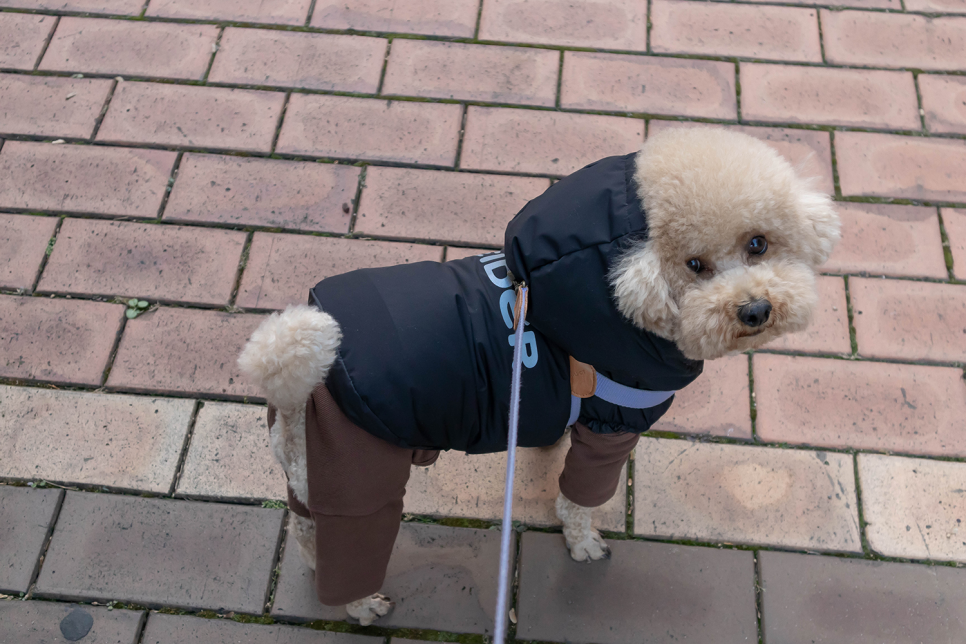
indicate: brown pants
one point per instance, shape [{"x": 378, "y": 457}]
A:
[{"x": 357, "y": 483}]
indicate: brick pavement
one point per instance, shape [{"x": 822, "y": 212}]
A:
[{"x": 213, "y": 158}]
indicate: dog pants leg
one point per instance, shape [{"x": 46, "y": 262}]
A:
[{"x": 592, "y": 469}]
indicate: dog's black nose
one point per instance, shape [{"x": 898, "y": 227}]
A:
[{"x": 754, "y": 313}]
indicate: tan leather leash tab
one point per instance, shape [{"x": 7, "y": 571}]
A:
[{"x": 583, "y": 379}]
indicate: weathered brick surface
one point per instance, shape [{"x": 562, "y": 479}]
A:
[
  {"x": 429, "y": 17},
  {"x": 893, "y": 40},
  {"x": 291, "y": 59},
  {"x": 440, "y": 578},
  {"x": 280, "y": 12},
  {"x": 85, "y": 179},
  {"x": 362, "y": 128},
  {"x": 463, "y": 207},
  {"x": 40, "y": 106},
  {"x": 471, "y": 486},
  {"x": 954, "y": 221},
  {"x": 808, "y": 151},
  {"x": 654, "y": 85},
  {"x": 130, "y": 442},
  {"x": 169, "y": 263},
  {"x": 184, "y": 629},
  {"x": 851, "y": 97},
  {"x": 192, "y": 117},
  {"x": 526, "y": 76},
  {"x": 26, "y": 518},
  {"x": 725, "y": 29},
  {"x": 23, "y": 243},
  {"x": 909, "y": 320},
  {"x": 936, "y": 6},
  {"x": 130, "y": 48},
  {"x": 861, "y": 405},
  {"x": 741, "y": 494},
  {"x": 263, "y": 192},
  {"x": 617, "y": 601},
  {"x": 118, "y": 7},
  {"x": 611, "y": 24},
  {"x": 64, "y": 341},
  {"x": 184, "y": 350},
  {"x": 829, "y": 331},
  {"x": 40, "y": 621},
  {"x": 885, "y": 239},
  {"x": 161, "y": 552},
  {"x": 911, "y": 167},
  {"x": 944, "y": 100},
  {"x": 22, "y": 37},
  {"x": 541, "y": 142},
  {"x": 717, "y": 403},
  {"x": 282, "y": 268},
  {"x": 230, "y": 456},
  {"x": 810, "y": 599},
  {"x": 858, "y": 4},
  {"x": 914, "y": 508}
]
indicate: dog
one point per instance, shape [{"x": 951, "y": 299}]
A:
[{"x": 702, "y": 244}]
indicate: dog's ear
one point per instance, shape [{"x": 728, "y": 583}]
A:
[
  {"x": 822, "y": 224},
  {"x": 643, "y": 294}
]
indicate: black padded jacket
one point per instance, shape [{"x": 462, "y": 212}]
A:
[{"x": 427, "y": 347}]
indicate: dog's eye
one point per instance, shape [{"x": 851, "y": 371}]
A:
[
  {"x": 695, "y": 264},
  {"x": 757, "y": 245}
]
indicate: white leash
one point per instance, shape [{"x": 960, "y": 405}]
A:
[{"x": 502, "y": 595}]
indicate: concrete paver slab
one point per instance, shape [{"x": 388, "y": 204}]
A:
[
  {"x": 184, "y": 351},
  {"x": 427, "y": 17},
  {"x": 472, "y": 72},
  {"x": 610, "y": 24},
  {"x": 126, "y": 182},
  {"x": 279, "y": 12},
  {"x": 56, "y": 107},
  {"x": 184, "y": 629},
  {"x": 22, "y": 38},
  {"x": 26, "y": 519},
  {"x": 169, "y": 263},
  {"x": 809, "y": 599},
  {"x": 230, "y": 457},
  {"x": 23, "y": 243},
  {"x": 944, "y": 100},
  {"x": 440, "y": 578},
  {"x": 57, "y": 340},
  {"x": 190, "y": 116},
  {"x": 143, "y": 49},
  {"x": 263, "y": 192},
  {"x": 282, "y": 268},
  {"x": 646, "y": 592},
  {"x": 914, "y": 508},
  {"x": 291, "y": 59},
  {"x": 909, "y": 320},
  {"x": 160, "y": 552},
  {"x": 886, "y": 239},
  {"x": 864, "y": 405},
  {"x": 42, "y": 622},
  {"x": 954, "y": 221},
  {"x": 128, "y": 442},
  {"x": 717, "y": 403},
  {"x": 744, "y": 494},
  {"x": 470, "y": 208}
]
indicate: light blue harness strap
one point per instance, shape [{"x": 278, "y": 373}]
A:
[{"x": 621, "y": 395}]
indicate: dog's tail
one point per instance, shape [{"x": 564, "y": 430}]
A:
[{"x": 290, "y": 353}]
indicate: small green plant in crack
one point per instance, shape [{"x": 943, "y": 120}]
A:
[
  {"x": 50, "y": 246},
  {"x": 135, "y": 307},
  {"x": 275, "y": 505}
]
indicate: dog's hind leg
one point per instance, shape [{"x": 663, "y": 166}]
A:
[
  {"x": 369, "y": 609},
  {"x": 287, "y": 356}
]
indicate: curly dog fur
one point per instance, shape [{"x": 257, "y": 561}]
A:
[{"x": 707, "y": 193}]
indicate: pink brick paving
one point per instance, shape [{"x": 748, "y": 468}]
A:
[{"x": 213, "y": 158}]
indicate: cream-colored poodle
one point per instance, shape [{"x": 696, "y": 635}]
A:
[{"x": 733, "y": 239}]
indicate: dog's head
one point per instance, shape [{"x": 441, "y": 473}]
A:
[{"x": 734, "y": 239}]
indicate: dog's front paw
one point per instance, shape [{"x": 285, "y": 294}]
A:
[
  {"x": 590, "y": 548},
  {"x": 369, "y": 609}
]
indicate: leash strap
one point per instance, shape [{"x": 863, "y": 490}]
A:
[
  {"x": 502, "y": 595},
  {"x": 621, "y": 395}
]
